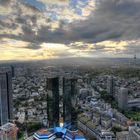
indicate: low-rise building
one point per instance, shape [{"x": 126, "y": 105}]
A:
[{"x": 8, "y": 131}]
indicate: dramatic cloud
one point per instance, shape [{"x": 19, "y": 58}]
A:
[
  {"x": 112, "y": 20},
  {"x": 3, "y": 2},
  {"x": 89, "y": 27},
  {"x": 55, "y": 1}
]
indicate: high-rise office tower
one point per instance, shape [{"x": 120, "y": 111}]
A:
[
  {"x": 6, "y": 104},
  {"x": 110, "y": 86},
  {"x": 123, "y": 99},
  {"x": 69, "y": 101},
  {"x": 53, "y": 101}
]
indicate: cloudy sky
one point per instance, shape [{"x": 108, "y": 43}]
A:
[{"x": 44, "y": 29}]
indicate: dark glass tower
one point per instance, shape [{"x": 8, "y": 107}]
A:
[
  {"x": 53, "y": 101},
  {"x": 69, "y": 101},
  {"x": 110, "y": 86},
  {"x": 6, "y": 104}
]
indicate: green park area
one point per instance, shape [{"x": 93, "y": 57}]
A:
[{"x": 133, "y": 115}]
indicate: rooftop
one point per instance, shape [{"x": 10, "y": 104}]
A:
[
  {"x": 60, "y": 132},
  {"x": 7, "y": 126}
]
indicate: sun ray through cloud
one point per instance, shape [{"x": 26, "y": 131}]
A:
[{"x": 68, "y": 28}]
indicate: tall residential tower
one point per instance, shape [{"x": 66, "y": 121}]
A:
[{"x": 123, "y": 99}]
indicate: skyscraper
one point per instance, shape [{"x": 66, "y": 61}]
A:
[
  {"x": 69, "y": 101},
  {"x": 6, "y": 104},
  {"x": 110, "y": 86},
  {"x": 53, "y": 101},
  {"x": 123, "y": 98}
]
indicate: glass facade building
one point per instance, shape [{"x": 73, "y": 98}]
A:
[
  {"x": 69, "y": 101},
  {"x": 6, "y": 104},
  {"x": 53, "y": 101}
]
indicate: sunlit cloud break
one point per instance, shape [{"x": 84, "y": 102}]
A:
[
  {"x": 55, "y": 1},
  {"x": 43, "y": 29}
]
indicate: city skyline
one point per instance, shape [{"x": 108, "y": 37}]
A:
[
  {"x": 44, "y": 29},
  {"x": 42, "y": 101}
]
